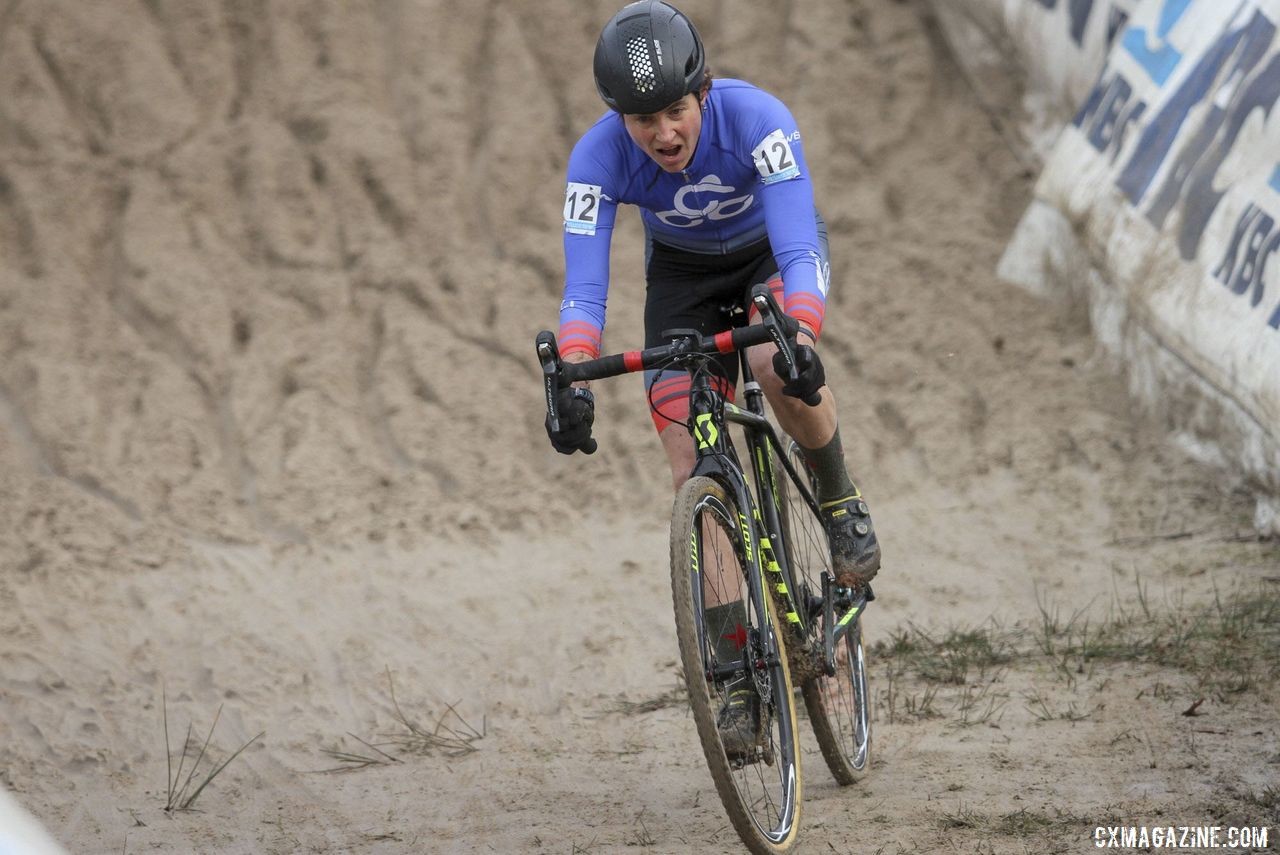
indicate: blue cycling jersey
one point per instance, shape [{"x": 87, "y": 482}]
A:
[{"x": 747, "y": 180}]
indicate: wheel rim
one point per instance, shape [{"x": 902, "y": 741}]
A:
[
  {"x": 844, "y": 698},
  {"x": 768, "y": 792}
]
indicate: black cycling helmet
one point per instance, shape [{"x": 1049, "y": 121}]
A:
[{"x": 648, "y": 57}]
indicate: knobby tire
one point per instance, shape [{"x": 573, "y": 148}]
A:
[{"x": 762, "y": 800}]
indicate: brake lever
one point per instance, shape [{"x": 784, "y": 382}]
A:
[
  {"x": 549, "y": 357},
  {"x": 782, "y": 328}
]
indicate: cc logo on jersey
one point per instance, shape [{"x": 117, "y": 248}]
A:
[{"x": 684, "y": 216}]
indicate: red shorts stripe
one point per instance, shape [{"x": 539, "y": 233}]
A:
[
  {"x": 663, "y": 386},
  {"x": 669, "y": 400}
]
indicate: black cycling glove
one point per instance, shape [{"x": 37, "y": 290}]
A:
[
  {"x": 577, "y": 411},
  {"x": 810, "y": 376}
]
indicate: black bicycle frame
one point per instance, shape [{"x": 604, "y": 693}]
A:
[
  {"x": 712, "y": 447},
  {"x": 709, "y": 413}
]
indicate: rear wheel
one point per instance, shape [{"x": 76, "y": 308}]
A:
[
  {"x": 839, "y": 706},
  {"x": 840, "y": 711},
  {"x": 760, "y": 787}
]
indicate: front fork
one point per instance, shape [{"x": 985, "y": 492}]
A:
[{"x": 712, "y": 448}]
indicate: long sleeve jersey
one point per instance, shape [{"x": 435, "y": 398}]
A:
[{"x": 747, "y": 180}]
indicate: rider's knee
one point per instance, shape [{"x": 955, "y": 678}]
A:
[
  {"x": 681, "y": 469},
  {"x": 761, "y": 361},
  {"x": 680, "y": 456}
]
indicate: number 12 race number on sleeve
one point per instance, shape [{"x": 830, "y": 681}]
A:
[{"x": 581, "y": 208}]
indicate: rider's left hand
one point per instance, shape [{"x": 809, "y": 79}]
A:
[{"x": 810, "y": 376}]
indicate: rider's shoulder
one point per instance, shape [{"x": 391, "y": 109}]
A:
[
  {"x": 737, "y": 94},
  {"x": 605, "y": 142}
]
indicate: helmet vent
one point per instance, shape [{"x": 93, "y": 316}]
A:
[{"x": 641, "y": 64}]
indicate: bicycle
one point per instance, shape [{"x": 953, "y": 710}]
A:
[{"x": 769, "y": 550}]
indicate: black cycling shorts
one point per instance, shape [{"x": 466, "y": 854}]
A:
[{"x": 691, "y": 290}]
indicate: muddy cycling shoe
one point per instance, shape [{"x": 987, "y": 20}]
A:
[
  {"x": 739, "y": 725},
  {"x": 855, "y": 552}
]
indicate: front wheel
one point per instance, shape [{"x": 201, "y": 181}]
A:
[{"x": 734, "y": 656}]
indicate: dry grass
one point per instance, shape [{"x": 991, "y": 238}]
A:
[
  {"x": 451, "y": 736},
  {"x": 179, "y": 793},
  {"x": 677, "y": 695}
]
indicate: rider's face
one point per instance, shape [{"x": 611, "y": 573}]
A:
[{"x": 668, "y": 136}]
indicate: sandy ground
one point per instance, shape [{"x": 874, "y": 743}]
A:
[{"x": 271, "y": 433}]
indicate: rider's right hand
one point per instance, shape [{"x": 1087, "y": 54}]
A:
[{"x": 577, "y": 411}]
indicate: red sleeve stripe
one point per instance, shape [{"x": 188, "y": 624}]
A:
[
  {"x": 579, "y": 329},
  {"x": 573, "y": 339},
  {"x": 810, "y": 301},
  {"x": 589, "y": 352},
  {"x": 631, "y": 360},
  {"x": 808, "y": 310}
]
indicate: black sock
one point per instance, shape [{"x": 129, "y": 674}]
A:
[
  {"x": 726, "y": 627},
  {"x": 827, "y": 464}
]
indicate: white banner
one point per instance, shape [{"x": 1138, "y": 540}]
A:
[
  {"x": 1159, "y": 201},
  {"x": 1049, "y": 49},
  {"x": 20, "y": 834}
]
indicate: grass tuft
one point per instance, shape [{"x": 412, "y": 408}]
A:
[
  {"x": 676, "y": 696},
  {"x": 1228, "y": 644},
  {"x": 451, "y": 735},
  {"x": 179, "y": 793}
]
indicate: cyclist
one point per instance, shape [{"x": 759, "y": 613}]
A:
[{"x": 719, "y": 174}]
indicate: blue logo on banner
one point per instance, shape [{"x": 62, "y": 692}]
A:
[
  {"x": 1235, "y": 57},
  {"x": 1172, "y": 173},
  {"x": 1162, "y": 60}
]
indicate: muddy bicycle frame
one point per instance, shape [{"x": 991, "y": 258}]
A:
[{"x": 709, "y": 414}]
